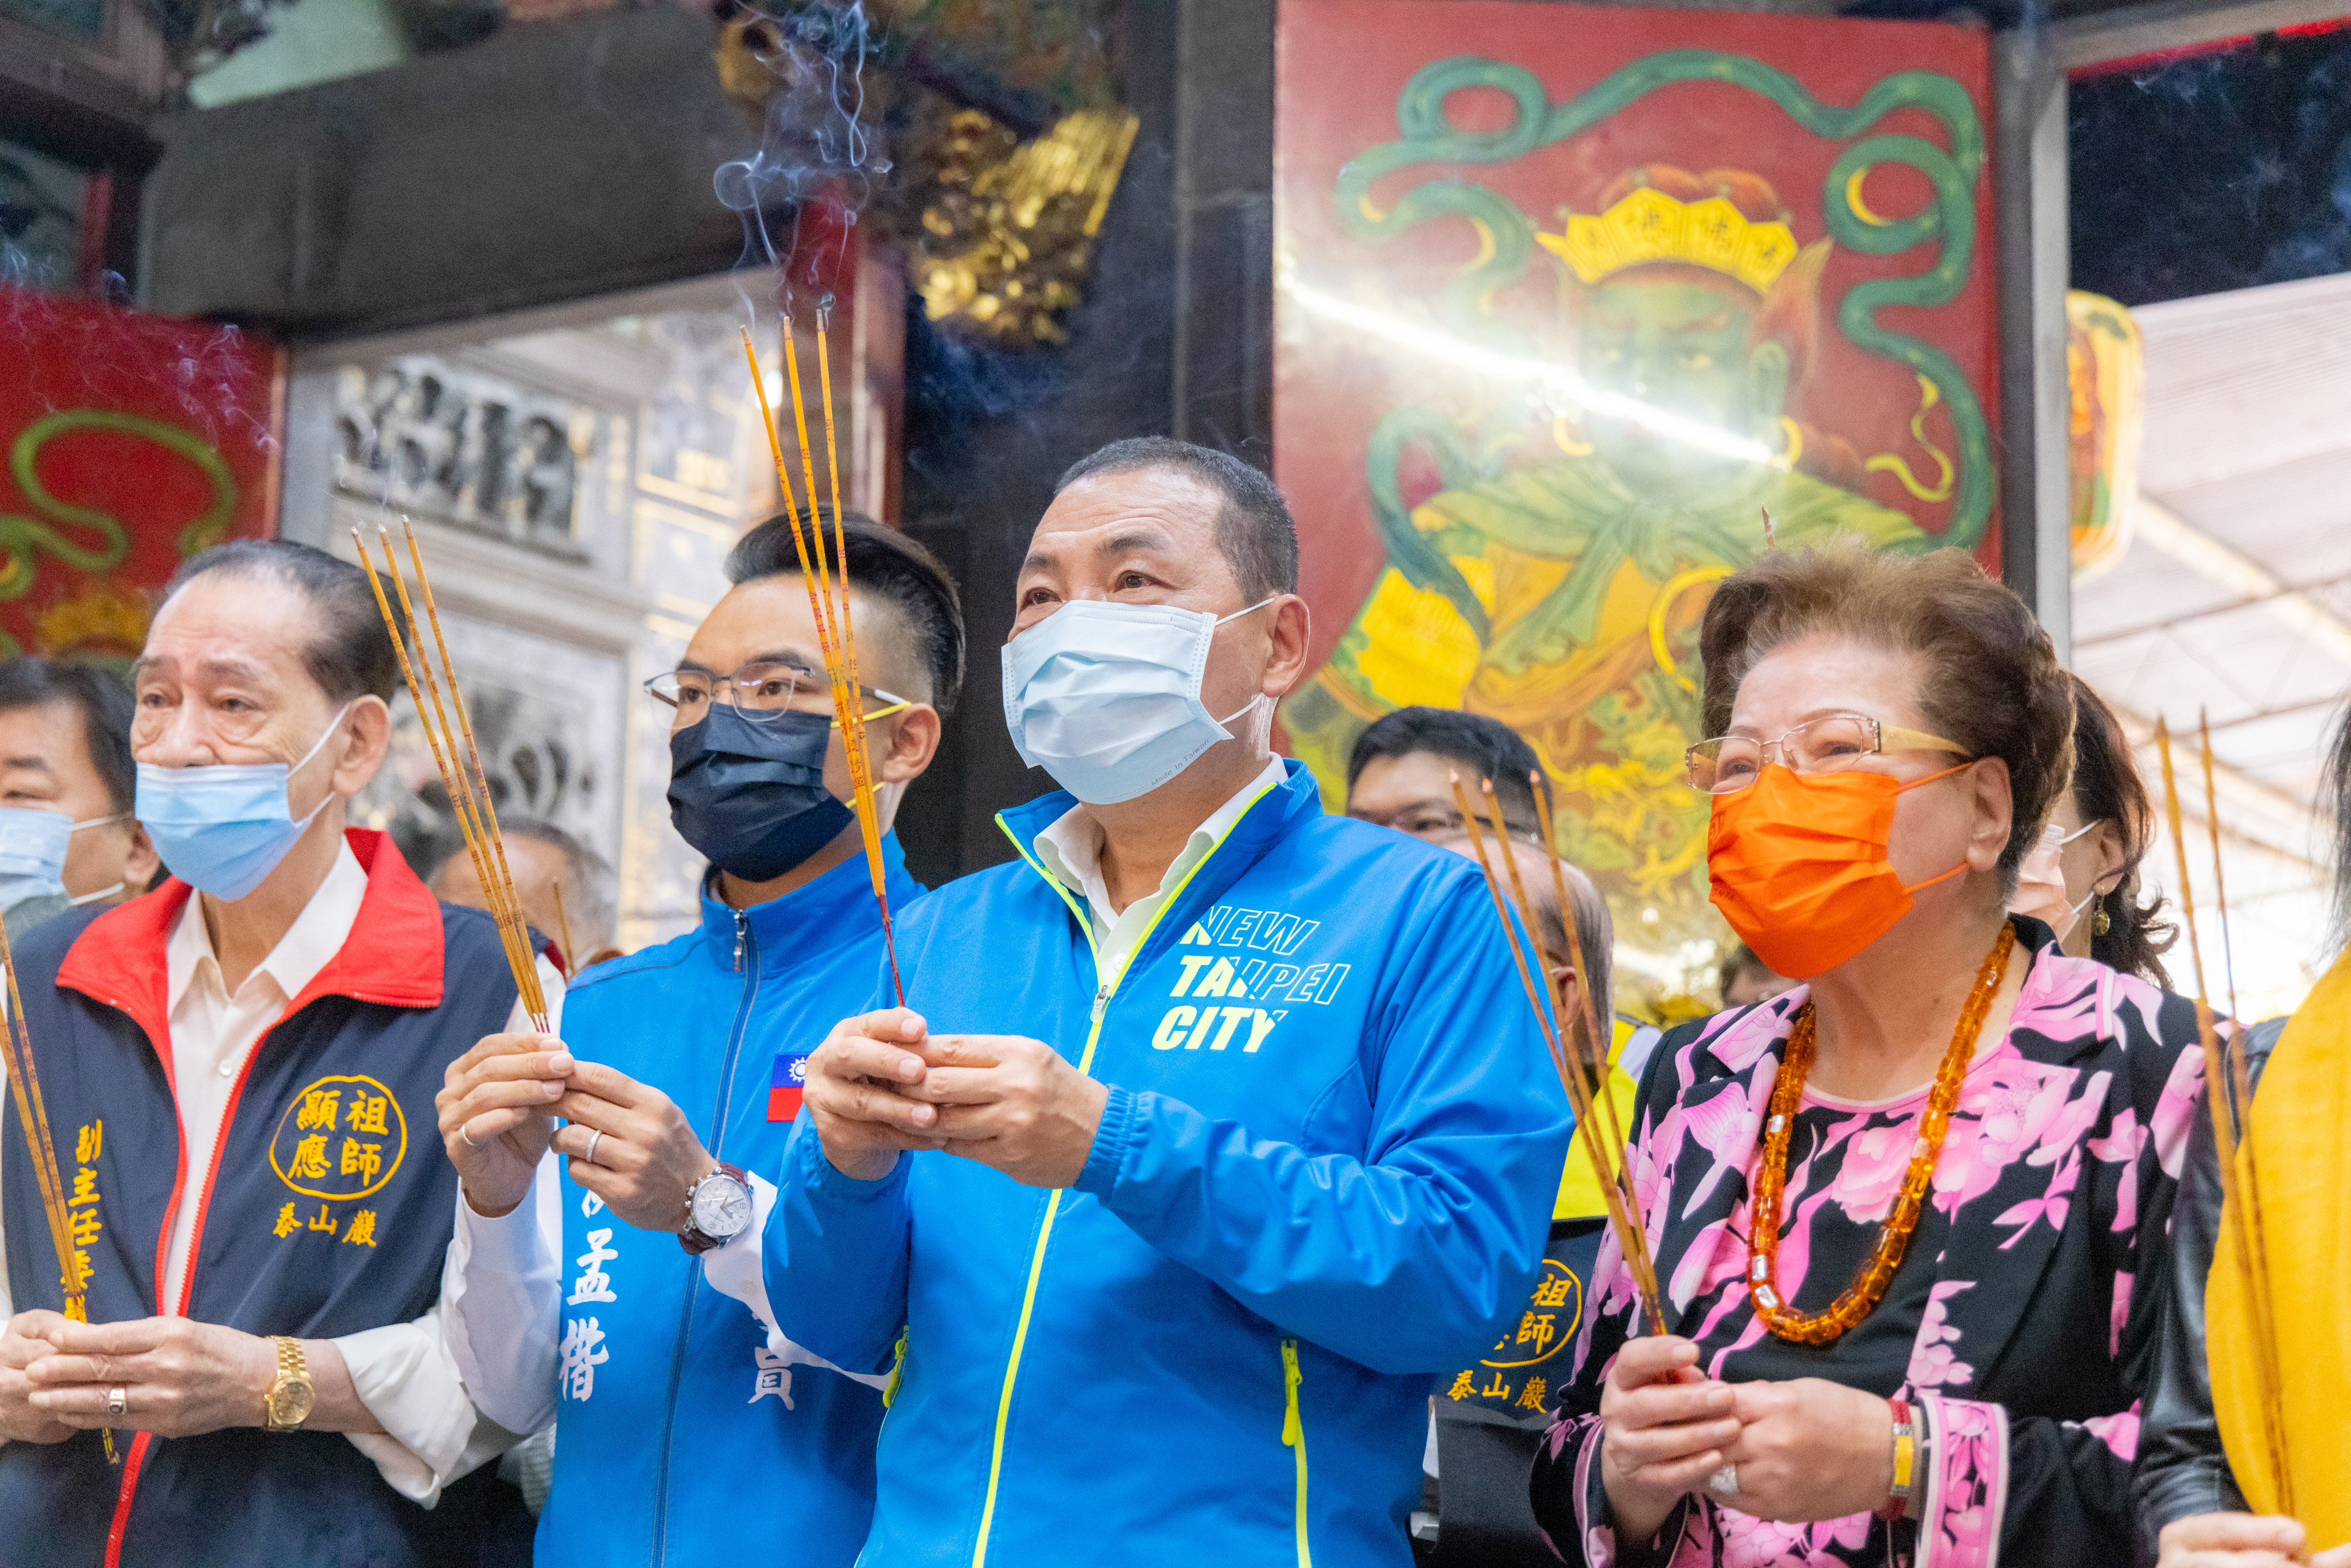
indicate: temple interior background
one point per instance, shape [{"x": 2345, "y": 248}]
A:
[{"x": 492, "y": 256}]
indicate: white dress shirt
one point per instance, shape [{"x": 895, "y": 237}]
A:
[
  {"x": 502, "y": 1299},
  {"x": 1071, "y": 850},
  {"x": 402, "y": 1372}
]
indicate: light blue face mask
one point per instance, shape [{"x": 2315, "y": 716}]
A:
[
  {"x": 1106, "y": 697},
  {"x": 222, "y": 829},
  {"x": 33, "y": 845}
]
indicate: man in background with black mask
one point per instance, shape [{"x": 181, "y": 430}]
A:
[{"x": 688, "y": 1429}]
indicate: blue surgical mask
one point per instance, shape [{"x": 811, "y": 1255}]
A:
[
  {"x": 222, "y": 829},
  {"x": 1106, "y": 697},
  {"x": 33, "y": 844}
]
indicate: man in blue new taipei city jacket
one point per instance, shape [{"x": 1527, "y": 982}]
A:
[
  {"x": 1327, "y": 1140},
  {"x": 688, "y": 1430}
]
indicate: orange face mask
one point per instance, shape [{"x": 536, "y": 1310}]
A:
[{"x": 1798, "y": 863}]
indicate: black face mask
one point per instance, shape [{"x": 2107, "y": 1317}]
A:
[{"x": 749, "y": 792}]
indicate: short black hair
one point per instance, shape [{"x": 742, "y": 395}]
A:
[
  {"x": 352, "y": 656},
  {"x": 107, "y": 710},
  {"x": 1254, "y": 531},
  {"x": 1485, "y": 748},
  {"x": 886, "y": 564}
]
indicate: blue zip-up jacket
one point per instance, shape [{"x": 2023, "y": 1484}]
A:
[
  {"x": 695, "y": 1442},
  {"x": 1326, "y": 1167}
]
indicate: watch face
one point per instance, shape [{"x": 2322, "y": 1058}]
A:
[
  {"x": 722, "y": 1206},
  {"x": 290, "y": 1404}
]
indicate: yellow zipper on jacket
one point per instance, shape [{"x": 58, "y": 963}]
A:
[
  {"x": 1293, "y": 1435},
  {"x": 1107, "y": 988}
]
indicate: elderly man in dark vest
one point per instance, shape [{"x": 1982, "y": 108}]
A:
[{"x": 239, "y": 1070}]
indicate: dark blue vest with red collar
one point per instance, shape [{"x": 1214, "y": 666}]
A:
[{"x": 328, "y": 1210}]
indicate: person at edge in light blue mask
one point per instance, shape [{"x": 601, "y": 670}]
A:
[
  {"x": 236, "y": 1067},
  {"x": 67, "y": 833},
  {"x": 615, "y": 1285},
  {"x": 1214, "y": 1128}
]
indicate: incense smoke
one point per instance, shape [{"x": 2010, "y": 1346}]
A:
[{"x": 815, "y": 143}]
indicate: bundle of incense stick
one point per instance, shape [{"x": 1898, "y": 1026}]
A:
[
  {"x": 469, "y": 791},
  {"x": 2228, "y": 1095},
  {"x": 32, "y": 1116},
  {"x": 827, "y": 576},
  {"x": 1603, "y": 1145}
]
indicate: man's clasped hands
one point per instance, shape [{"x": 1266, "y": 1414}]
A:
[{"x": 879, "y": 1085}]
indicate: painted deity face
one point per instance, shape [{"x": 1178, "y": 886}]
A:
[{"x": 1679, "y": 347}]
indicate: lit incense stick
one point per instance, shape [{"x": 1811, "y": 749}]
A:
[
  {"x": 32, "y": 1116},
  {"x": 860, "y": 766},
  {"x": 832, "y": 617},
  {"x": 504, "y": 909},
  {"x": 469, "y": 799},
  {"x": 1631, "y": 1240},
  {"x": 2238, "y": 1194},
  {"x": 1592, "y": 1023},
  {"x": 570, "y": 953}
]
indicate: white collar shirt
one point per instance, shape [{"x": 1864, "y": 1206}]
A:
[
  {"x": 1071, "y": 852},
  {"x": 214, "y": 1033}
]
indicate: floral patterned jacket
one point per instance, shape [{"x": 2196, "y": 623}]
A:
[{"x": 2025, "y": 1344}]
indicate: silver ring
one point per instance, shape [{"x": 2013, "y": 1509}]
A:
[
  {"x": 1724, "y": 1482},
  {"x": 589, "y": 1155},
  {"x": 468, "y": 1136},
  {"x": 118, "y": 1403}
]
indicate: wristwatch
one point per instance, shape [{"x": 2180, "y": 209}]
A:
[
  {"x": 717, "y": 1209},
  {"x": 287, "y": 1404}
]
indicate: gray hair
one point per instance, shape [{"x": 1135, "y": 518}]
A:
[{"x": 1596, "y": 930}]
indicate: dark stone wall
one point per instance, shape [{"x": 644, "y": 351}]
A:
[{"x": 552, "y": 162}]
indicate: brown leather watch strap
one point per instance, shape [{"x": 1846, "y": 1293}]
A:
[{"x": 692, "y": 1238}]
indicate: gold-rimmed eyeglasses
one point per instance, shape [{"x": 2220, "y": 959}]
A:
[
  {"x": 1730, "y": 763},
  {"x": 761, "y": 686}
]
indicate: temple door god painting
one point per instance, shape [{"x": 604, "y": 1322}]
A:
[{"x": 1565, "y": 314}]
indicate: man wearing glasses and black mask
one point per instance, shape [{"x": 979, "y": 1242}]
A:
[{"x": 617, "y": 1290}]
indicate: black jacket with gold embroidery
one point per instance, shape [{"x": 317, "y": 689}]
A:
[{"x": 328, "y": 1210}]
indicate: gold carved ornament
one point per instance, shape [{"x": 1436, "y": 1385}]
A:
[{"x": 1008, "y": 228}]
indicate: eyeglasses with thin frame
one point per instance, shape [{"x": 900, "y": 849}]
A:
[
  {"x": 1730, "y": 763},
  {"x": 761, "y": 686}
]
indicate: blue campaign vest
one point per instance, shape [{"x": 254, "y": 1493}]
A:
[
  {"x": 328, "y": 1210},
  {"x": 693, "y": 1443}
]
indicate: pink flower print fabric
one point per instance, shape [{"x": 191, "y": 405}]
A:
[{"x": 2012, "y": 1324}]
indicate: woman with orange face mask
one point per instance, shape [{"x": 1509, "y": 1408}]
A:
[{"x": 1898, "y": 1211}]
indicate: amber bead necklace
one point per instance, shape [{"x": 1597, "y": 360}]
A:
[{"x": 1869, "y": 1283}]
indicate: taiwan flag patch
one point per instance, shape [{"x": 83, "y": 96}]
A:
[{"x": 785, "y": 1081}]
